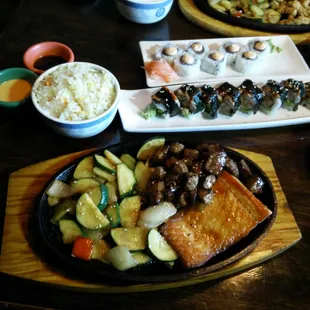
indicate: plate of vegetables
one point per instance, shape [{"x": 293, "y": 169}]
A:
[
  {"x": 102, "y": 216},
  {"x": 274, "y": 16}
]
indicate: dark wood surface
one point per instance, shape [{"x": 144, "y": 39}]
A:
[{"x": 98, "y": 34}]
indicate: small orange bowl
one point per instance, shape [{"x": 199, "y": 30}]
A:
[{"x": 46, "y": 49}]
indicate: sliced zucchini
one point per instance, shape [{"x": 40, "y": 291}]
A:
[
  {"x": 159, "y": 247},
  {"x": 142, "y": 258},
  {"x": 88, "y": 215},
  {"x": 113, "y": 214},
  {"x": 104, "y": 164},
  {"x": 68, "y": 205},
  {"x": 129, "y": 211},
  {"x": 129, "y": 161},
  {"x": 121, "y": 258},
  {"x": 256, "y": 11},
  {"x": 100, "y": 249},
  {"x": 112, "y": 189},
  {"x": 99, "y": 179},
  {"x": 150, "y": 147},
  {"x": 69, "y": 230},
  {"x": 85, "y": 168},
  {"x": 53, "y": 201},
  {"x": 99, "y": 196},
  {"x": 134, "y": 238},
  {"x": 96, "y": 234},
  {"x": 59, "y": 189},
  {"x": 103, "y": 174},
  {"x": 112, "y": 158},
  {"x": 142, "y": 173},
  {"x": 125, "y": 180},
  {"x": 82, "y": 186}
]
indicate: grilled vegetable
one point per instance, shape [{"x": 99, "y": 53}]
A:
[
  {"x": 129, "y": 161},
  {"x": 125, "y": 180},
  {"x": 113, "y": 214},
  {"x": 121, "y": 258},
  {"x": 59, "y": 189},
  {"x": 104, "y": 164},
  {"x": 83, "y": 185},
  {"x": 129, "y": 211},
  {"x": 150, "y": 147},
  {"x": 69, "y": 230},
  {"x": 99, "y": 196},
  {"x": 85, "y": 168},
  {"x": 82, "y": 248}
]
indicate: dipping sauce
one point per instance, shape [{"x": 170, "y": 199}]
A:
[
  {"x": 46, "y": 62},
  {"x": 15, "y": 90}
]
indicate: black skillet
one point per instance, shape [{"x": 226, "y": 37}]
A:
[
  {"x": 49, "y": 244},
  {"x": 204, "y": 6}
]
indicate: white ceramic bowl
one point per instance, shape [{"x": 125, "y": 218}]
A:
[
  {"x": 79, "y": 129},
  {"x": 144, "y": 11}
]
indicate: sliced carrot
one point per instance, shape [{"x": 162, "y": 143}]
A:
[{"x": 82, "y": 248}]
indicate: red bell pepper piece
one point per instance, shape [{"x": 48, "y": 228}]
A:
[{"x": 82, "y": 248}]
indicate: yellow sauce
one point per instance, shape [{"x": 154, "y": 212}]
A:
[{"x": 14, "y": 90}]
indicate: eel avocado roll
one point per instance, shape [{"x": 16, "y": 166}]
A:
[
  {"x": 166, "y": 102},
  {"x": 261, "y": 47},
  {"x": 295, "y": 93},
  {"x": 251, "y": 97},
  {"x": 229, "y": 97},
  {"x": 246, "y": 61},
  {"x": 187, "y": 65},
  {"x": 214, "y": 62},
  {"x": 274, "y": 96},
  {"x": 189, "y": 98},
  {"x": 197, "y": 49},
  {"x": 169, "y": 52},
  {"x": 231, "y": 49},
  {"x": 306, "y": 99},
  {"x": 209, "y": 97}
]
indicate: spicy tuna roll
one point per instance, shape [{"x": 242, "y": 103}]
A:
[
  {"x": 274, "y": 96},
  {"x": 261, "y": 47},
  {"x": 295, "y": 93},
  {"x": 246, "y": 61},
  {"x": 187, "y": 65},
  {"x": 251, "y": 97},
  {"x": 169, "y": 52},
  {"x": 197, "y": 49},
  {"x": 231, "y": 49},
  {"x": 214, "y": 62}
]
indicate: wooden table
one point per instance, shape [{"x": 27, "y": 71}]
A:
[{"x": 100, "y": 35}]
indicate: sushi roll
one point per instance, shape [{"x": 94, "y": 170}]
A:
[
  {"x": 251, "y": 97},
  {"x": 274, "y": 96},
  {"x": 261, "y": 47},
  {"x": 214, "y": 62},
  {"x": 166, "y": 102},
  {"x": 295, "y": 93},
  {"x": 230, "y": 99},
  {"x": 306, "y": 99},
  {"x": 209, "y": 97},
  {"x": 231, "y": 49},
  {"x": 169, "y": 52},
  {"x": 187, "y": 65},
  {"x": 189, "y": 98},
  {"x": 246, "y": 61},
  {"x": 197, "y": 49}
]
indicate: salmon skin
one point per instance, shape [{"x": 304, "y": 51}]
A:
[{"x": 200, "y": 232}]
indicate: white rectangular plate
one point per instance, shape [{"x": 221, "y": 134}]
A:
[
  {"x": 287, "y": 62},
  {"x": 133, "y": 102}
]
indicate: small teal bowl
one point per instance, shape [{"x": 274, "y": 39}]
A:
[
  {"x": 144, "y": 12},
  {"x": 78, "y": 129},
  {"x": 12, "y": 74}
]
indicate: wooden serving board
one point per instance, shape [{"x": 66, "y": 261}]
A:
[
  {"x": 18, "y": 259},
  {"x": 192, "y": 13}
]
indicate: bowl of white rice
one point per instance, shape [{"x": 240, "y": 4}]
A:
[{"x": 77, "y": 99}]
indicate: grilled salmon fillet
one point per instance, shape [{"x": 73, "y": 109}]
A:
[{"x": 200, "y": 232}]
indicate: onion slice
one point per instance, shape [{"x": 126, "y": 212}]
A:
[
  {"x": 59, "y": 189},
  {"x": 156, "y": 215}
]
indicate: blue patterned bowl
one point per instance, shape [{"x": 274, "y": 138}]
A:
[
  {"x": 78, "y": 129},
  {"x": 144, "y": 11}
]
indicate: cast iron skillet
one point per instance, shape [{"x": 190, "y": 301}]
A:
[
  {"x": 204, "y": 6},
  {"x": 58, "y": 255}
]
